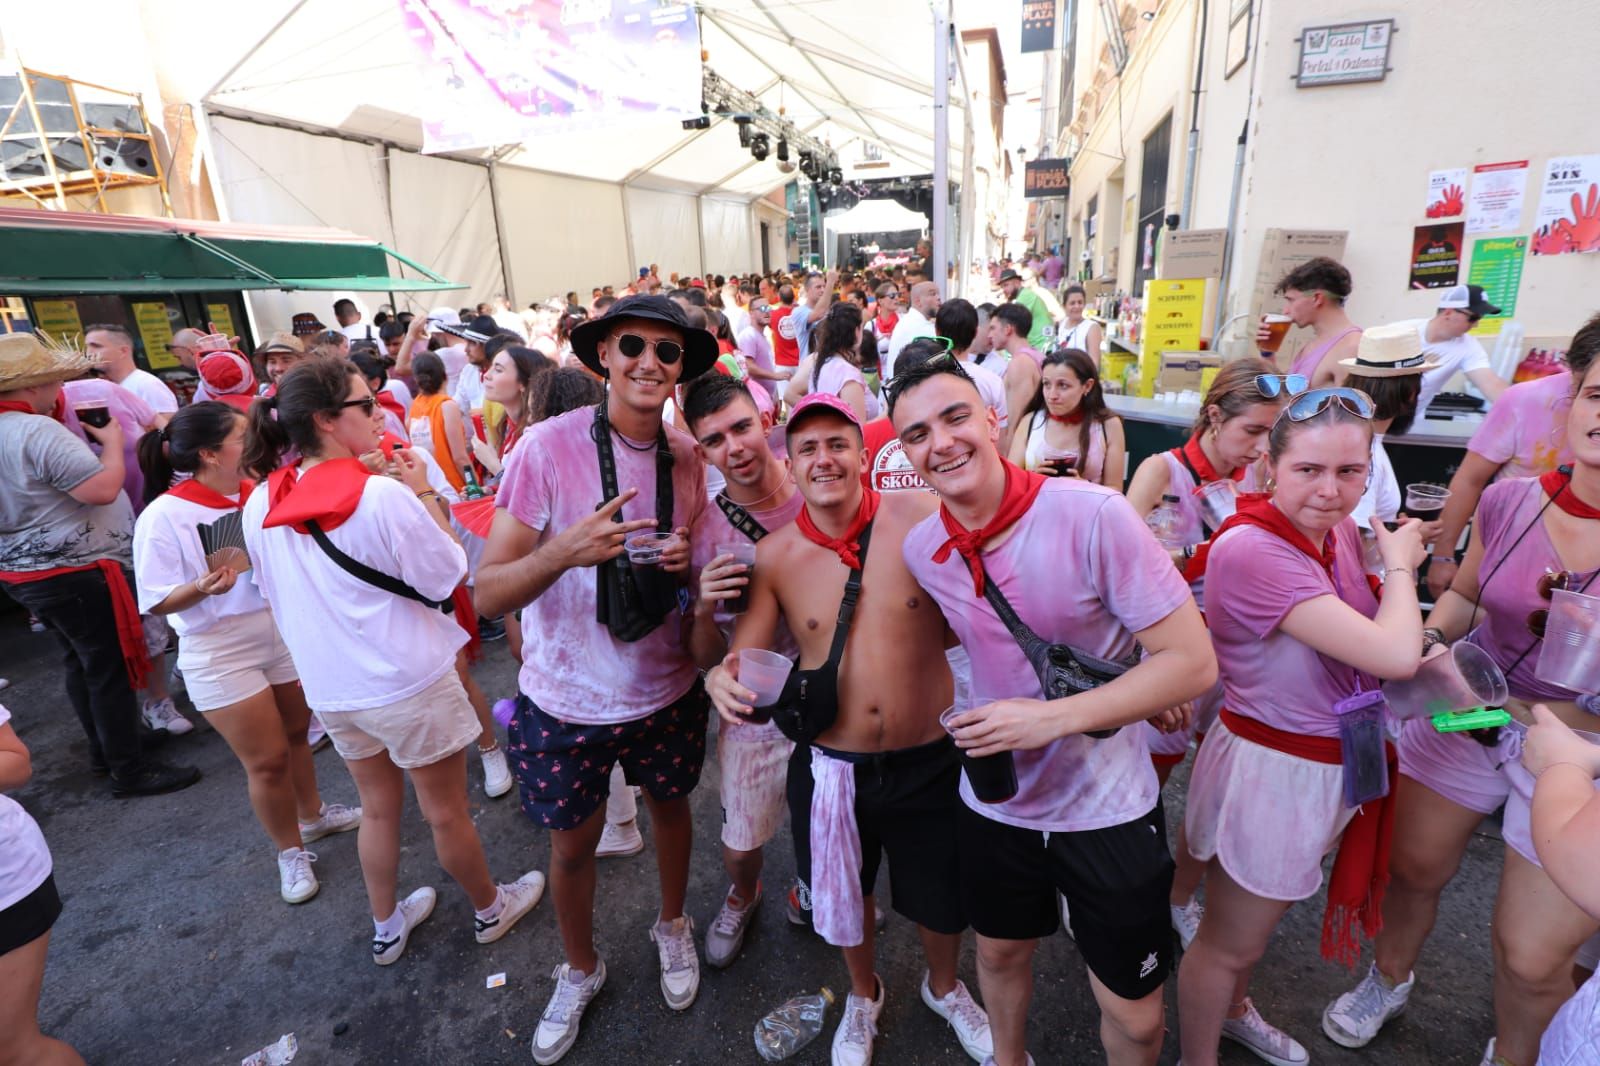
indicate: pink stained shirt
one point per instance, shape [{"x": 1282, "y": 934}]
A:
[
  {"x": 1525, "y": 431},
  {"x": 1306, "y": 362},
  {"x": 719, "y": 531},
  {"x": 1254, "y": 579},
  {"x": 132, "y": 414},
  {"x": 838, "y": 372},
  {"x": 572, "y": 666},
  {"x": 1082, "y": 569},
  {"x": 1508, "y": 582},
  {"x": 1183, "y": 484}
]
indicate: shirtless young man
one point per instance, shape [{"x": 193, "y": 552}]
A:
[{"x": 883, "y": 775}]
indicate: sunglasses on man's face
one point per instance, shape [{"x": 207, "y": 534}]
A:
[{"x": 632, "y": 345}]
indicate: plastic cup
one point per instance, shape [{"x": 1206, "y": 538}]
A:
[
  {"x": 97, "y": 415},
  {"x": 1570, "y": 656},
  {"x": 1423, "y": 499},
  {"x": 764, "y": 673},
  {"x": 1063, "y": 460},
  {"x": 644, "y": 549},
  {"x": 1277, "y": 329},
  {"x": 1218, "y": 500},
  {"x": 993, "y": 777},
  {"x": 744, "y": 553},
  {"x": 1462, "y": 678}
]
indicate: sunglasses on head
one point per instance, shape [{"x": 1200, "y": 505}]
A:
[
  {"x": 632, "y": 345},
  {"x": 366, "y": 403},
  {"x": 1310, "y": 404},
  {"x": 1274, "y": 385}
]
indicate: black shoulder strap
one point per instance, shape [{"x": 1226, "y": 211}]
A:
[
  {"x": 741, "y": 519},
  {"x": 376, "y": 578},
  {"x": 601, "y": 433},
  {"x": 1206, "y": 532},
  {"x": 847, "y": 605},
  {"x": 1020, "y": 631}
]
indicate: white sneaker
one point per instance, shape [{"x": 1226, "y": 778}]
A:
[
  {"x": 965, "y": 1017},
  {"x": 1489, "y": 1057},
  {"x": 558, "y": 1025},
  {"x": 1186, "y": 920},
  {"x": 1354, "y": 1018},
  {"x": 335, "y": 818},
  {"x": 726, "y": 935},
  {"x": 316, "y": 736},
  {"x": 416, "y": 908},
  {"x": 680, "y": 963},
  {"x": 1264, "y": 1041},
  {"x": 164, "y": 715},
  {"x": 620, "y": 840},
  {"x": 4, "y": 684},
  {"x": 852, "y": 1041},
  {"x": 516, "y": 899},
  {"x": 496, "y": 771},
  {"x": 296, "y": 882}
]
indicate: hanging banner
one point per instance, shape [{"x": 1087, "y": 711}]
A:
[
  {"x": 1436, "y": 255},
  {"x": 1568, "y": 219},
  {"x": 498, "y": 74},
  {"x": 59, "y": 318},
  {"x": 1497, "y": 267},
  {"x": 1046, "y": 177},
  {"x": 221, "y": 316},
  {"x": 1447, "y": 191},
  {"x": 155, "y": 329},
  {"x": 1497, "y": 193},
  {"x": 1038, "y": 25}
]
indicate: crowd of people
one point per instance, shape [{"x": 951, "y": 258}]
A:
[{"x": 997, "y": 645}]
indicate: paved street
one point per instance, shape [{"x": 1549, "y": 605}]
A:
[{"x": 174, "y": 947}]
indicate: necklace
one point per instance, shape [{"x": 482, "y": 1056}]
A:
[
  {"x": 626, "y": 443},
  {"x": 755, "y": 504}
]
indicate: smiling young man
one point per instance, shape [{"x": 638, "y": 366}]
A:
[
  {"x": 1078, "y": 566},
  {"x": 607, "y": 676},
  {"x": 759, "y": 499},
  {"x": 881, "y": 774}
]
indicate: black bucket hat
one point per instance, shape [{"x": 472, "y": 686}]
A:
[{"x": 700, "y": 347}]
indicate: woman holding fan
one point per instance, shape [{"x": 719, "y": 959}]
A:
[{"x": 236, "y": 668}]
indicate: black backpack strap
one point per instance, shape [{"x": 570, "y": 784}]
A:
[
  {"x": 376, "y": 578},
  {"x": 1020, "y": 631},
  {"x": 741, "y": 519},
  {"x": 847, "y": 605}
]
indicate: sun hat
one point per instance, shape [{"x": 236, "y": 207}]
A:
[
  {"x": 27, "y": 360},
  {"x": 281, "y": 342},
  {"x": 819, "y": 403},
  {"x": 306, "y": 324},
  {"x": 1390, "y": 351},
  {"x": 1009, "y": 275},
  {"x": 700, "y": 347}
]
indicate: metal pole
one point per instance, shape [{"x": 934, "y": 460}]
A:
[
  {"x": 500, "y": 232},
  {"x": 941, "y": 143},
  {"x": 1230, "y": 240}
]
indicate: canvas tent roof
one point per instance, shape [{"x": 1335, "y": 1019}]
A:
[{"x": 876, "y": 216}]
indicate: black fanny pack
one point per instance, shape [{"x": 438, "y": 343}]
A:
[
  {"x": 1062, "y": 671},
  {"x": 632, "y": 601},
  {"x": 376, "y": 578},
  {"x": 810, "y": 702}
]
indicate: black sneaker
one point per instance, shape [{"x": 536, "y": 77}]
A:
[
  {"x": 153, "y": 778},
  {"x": 491, "y": 629}
]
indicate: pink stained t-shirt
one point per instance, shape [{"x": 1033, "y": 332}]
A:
[
  {"x": 1253, "y": 580},
  {"x": 1306, "y": 362},
  {"x": 1525, "y": 431},
  {"x": 1082, "y": 569},
  {"x": 836, "y": 373},
  {"x": 1183, "y": 484},
  {"x": 719, "y": 531},
  {"x": 1508, "y": 583},
  {"x": 572, "y": 666},
  {"x": 132, "y": 414}
]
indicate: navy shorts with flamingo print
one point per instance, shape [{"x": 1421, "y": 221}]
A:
[{"x": 564, "y": 768}]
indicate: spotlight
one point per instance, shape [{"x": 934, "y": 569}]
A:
[
  {"x": 759, "y": 146},
  {"x": 808, "y": 164},
  {"x": 783, "y": 149},
  {"x": 744, "y": 130},
  {"x": 836, "y": 176},
  {"x": 699, "y": 122}
]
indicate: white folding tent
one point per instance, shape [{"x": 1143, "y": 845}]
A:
[{"x": 877, "y": 216}]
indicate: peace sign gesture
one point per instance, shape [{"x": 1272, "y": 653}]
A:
[{"x": 598, "y": 538}]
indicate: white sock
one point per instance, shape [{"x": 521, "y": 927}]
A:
[
  {"x": 391, "y": 926},
  {"x": 286, "y": 852},
  {"x": 492, "y": 911}
]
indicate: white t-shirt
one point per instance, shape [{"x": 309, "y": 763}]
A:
[
  {"x": 1382, "y": 497},
  {"x": 753, "y": 345},
  {"x": 511, "y": 322},
  {"x": 1461, "y": 355},
  {"x": 356, "y": 646},
  {"x": 397, "y": 388},
  {"x": 24, "y": 856},
  {"x": 454, "y": 358},
  {"x": 152, "y": 390},
  {"x": 738, "y": 318},
  {"x": 912, "y": 324},
  {"x": 990, "y": 386},
  {"x": 167, "y": 555},
  {"x": 362, "y": 331},
  {"x": 838, "y": 372},
  {"x": 468, "y": 392}
]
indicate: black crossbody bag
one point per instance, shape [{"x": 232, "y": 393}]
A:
[
  {"x": 632, "y": 601},
  {"x": 376, "y": 578},
  {"x": 1062, "y": 671},
  {"x": 741, "y": 519}
]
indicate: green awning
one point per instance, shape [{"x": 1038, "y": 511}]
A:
[{"x": 38, "y": 261}]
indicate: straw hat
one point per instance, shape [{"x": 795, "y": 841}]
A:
[
  {"x": 27, "y": 360},
  {"x": 1390, "y": 351}
]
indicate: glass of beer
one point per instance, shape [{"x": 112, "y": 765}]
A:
[{"x": 1277, "y": 327}]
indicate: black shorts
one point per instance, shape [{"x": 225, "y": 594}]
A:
[
  {"x": 906, "y": 805},
  {"x": 564, "y": 768},
  {"x": 30, "y": 917},
  {"x": 1116, "y": 880}
]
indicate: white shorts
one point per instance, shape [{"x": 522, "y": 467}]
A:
[
  {"x": 233, "y": 661},
  {"x": 755, "y": 774},
  {"x": 419, "y": 731},
  {"x": 1267, "y": 816}
]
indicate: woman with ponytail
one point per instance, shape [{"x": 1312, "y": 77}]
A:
[
  {"x": 357, "y": 567},
  {"x": 237, "y": 669}
]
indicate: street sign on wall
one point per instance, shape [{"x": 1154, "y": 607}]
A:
[
  {"x": 1344, "y": 53},
  {"x": 1046, "y": 177}
]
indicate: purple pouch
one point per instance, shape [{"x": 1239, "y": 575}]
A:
[{"x": 1361, "y": 740}]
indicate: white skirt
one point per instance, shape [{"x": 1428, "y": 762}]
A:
[{"x": 1269, "y": 818}]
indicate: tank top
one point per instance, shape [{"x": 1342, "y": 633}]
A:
[
  {"x": 427, "y": 433},
  {"x": 1091, "y": 467},
  {"x": 1182, "y": 483},
  {"x": 1307, "y": 361},
  {"x": 1076, "y": 337}
]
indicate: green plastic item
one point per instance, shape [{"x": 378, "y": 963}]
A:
[{"x": 1477, "y": 718}]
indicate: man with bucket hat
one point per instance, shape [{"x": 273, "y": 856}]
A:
[
  {"x": 607, "y": 676},
  {"x": 66, "y": 539}
]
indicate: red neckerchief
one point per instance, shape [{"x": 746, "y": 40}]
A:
[
  {"x": 1553, "y": 482},
  {"x": 1202, "y": 465},
  {"x": 205, "y": 496},
  {"x": 24, "y": 408},
  {"x": 1021, "y": 488},
  {"x": 1071, "y": 418},
  {"x": 512, "y": 433},
  {"x": 59, "y": 411},
  {"x": 847, "y": 547},
  {"x": 1256, "y": 509},
  {"x": 327, "y": 493},
  {"x": 391, "y": 403}
]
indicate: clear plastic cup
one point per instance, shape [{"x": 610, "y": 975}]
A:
[
  {"x": 644, "y": 549},
  {"x": 1218, "y": 500},
  {"x": 764, "y": 673},
  {"x": 744, "y": 553},
  {"x": 993, "y": 777},
  {"x": 1425, "y": 499},
  {"x": 1462, "y": 678},
  {"x": 1570, "y": 656}
]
